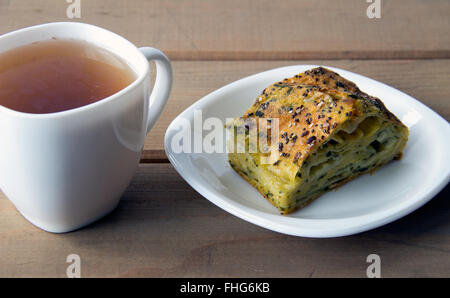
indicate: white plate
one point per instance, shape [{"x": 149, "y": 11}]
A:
[{"x": 365, "y": 203}]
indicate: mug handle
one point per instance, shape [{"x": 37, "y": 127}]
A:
[{"x": 163, "y": 84}]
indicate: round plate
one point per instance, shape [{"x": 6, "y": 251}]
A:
[{"x": 365, "y": 203}]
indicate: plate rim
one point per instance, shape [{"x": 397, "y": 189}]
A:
[{"x": 267, "y": 221}]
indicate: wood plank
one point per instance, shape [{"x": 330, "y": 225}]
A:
[
  {"x": 258, "y": 29},
  {"x": 163, "y": 228},
  {"x": 426, "y": 80}
]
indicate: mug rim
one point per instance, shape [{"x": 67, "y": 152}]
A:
[{"x": 137, "y": 81}]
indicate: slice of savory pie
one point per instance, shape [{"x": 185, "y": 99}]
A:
[{"x": 329, "y": 131}]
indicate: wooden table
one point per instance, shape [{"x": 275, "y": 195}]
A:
[{"x": 162, "y": 227}]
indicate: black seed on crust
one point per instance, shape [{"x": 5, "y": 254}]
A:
[{"x": 311, "y": 140}]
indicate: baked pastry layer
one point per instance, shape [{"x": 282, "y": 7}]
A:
[{"x": 329, "y": 132}]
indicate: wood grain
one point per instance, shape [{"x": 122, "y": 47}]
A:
[
  {"x": 425, "y": 80},
  {"x": 163, "y": 228},
  {"x": 258, "y": 29}
]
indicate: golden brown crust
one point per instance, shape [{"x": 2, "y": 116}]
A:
[
  {"x": 310, "y": 107},
  {"x": 328, "y": 80}
]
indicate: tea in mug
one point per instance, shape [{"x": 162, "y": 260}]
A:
[{"x": 58, "y": 75}]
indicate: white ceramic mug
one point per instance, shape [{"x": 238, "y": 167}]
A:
[{"x": 65, "y": 170}]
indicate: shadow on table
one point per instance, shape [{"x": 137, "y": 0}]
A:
[
  {"x": 180, "y": 228},
  {"x": 433, "y": 217}
]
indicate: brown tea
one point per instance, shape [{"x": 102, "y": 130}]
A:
[{"x": 57, "y": 75}]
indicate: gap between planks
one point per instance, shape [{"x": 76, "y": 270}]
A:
[
  {"x": 305, "y": 55},
  {"x": 154, "y": 156}
]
